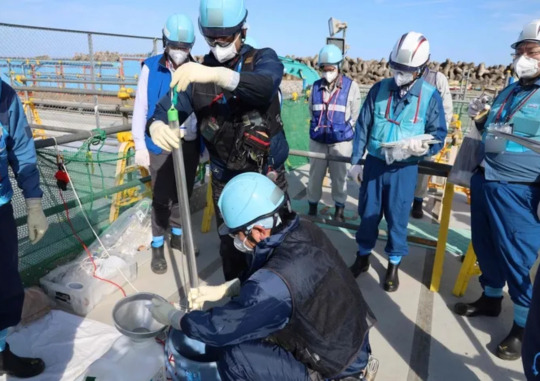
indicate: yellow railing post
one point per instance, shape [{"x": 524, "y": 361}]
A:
[
  {"x": 468, "y": 269},
  {"x": 208, "y": 209},
  {"x": 443, "y": 237}
]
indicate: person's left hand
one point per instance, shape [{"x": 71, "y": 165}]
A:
[
  {"x": 37, "y": 222},
  {"x": 417, "y": 147},
  {"x": 197, "y": 297},
  {"x": 193, "y": 72}
]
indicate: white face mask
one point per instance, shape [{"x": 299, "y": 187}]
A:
[
  {"x": 403, "y": 78},
  {"x": 224, "y": 54},
  {"x": 178, "y": 56},
  {"x": 242, "y": 246},
  {"x": 330, "y": 76},
  {"x": 526, "y": 67}
]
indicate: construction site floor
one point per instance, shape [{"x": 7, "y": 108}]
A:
[{"x": 417, "y": 336}]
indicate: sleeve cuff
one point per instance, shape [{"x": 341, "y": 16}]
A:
[{"x": 233, "y": 82}]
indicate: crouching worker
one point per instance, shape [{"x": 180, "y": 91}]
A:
[{"x": 291, "y": 263}]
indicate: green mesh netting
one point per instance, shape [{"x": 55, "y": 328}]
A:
[
  {"x": 295, "y": 116},
  {"x": 93, "y": 175}
]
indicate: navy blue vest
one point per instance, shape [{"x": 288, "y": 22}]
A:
[
  {"x": 159, "y": 79},
  {"x": 328, "y": 124},
  {"x": 330, "y": 318}
]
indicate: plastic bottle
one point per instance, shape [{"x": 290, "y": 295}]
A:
[{"x": 129, "y": 360}]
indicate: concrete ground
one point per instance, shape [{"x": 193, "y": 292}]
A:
[{"x": 417, "y": 336}]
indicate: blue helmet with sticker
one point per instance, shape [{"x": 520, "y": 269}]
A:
[
  {"x": 178, "y": 32},
  {"x": 330, "y": 55},
  {"x": 219, "y": 18},
  {"x": 248, "y": 198}
]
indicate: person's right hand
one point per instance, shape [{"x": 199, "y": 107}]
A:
[
  {"x": 478, "y": 105},
  {"x": 163, "y": 136},
  {"x": 356, "y": 173},
  {"x": 165, "y": 313},
  {"x": 142, "y": 158}
]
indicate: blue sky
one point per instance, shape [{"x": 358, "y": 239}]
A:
[{"x": 462, "y": 30}]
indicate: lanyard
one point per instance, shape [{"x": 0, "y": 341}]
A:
[
  {"x": 389, "y": 114},
  {"x": 335, "y": 96},
  {"x": 518, "y": 107}
]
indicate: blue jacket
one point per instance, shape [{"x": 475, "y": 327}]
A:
[
  {"x": 511, "y": 161},
  {"x": 247, "y": 316},
  {"x": 256, "y": 88},
  {"x": 16, "y": 148},
  {"x": 159, "y": 79},
  {"x": 435, "y": 123},
  {"x": 328, "y": 124}
]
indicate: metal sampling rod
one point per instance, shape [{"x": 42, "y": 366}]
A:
[{"x": 183, "y": 198}]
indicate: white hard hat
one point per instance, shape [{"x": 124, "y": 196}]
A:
[
  {"x": 530, "y": 32},
  {"x": 410, "y": 53}
]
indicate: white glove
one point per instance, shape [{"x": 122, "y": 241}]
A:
[
  {"x": 142, "y": 158},
  {"x": 163, "y": 136},
  {"x": 198, "y": 296},
  {"x": 478, "y": 105},
  {"x": 194, "y": 72},
  {"x": 356, "y": 173},
  {"x": 37, "y": 222},
  {"x": 417, "y": 147},
  {"x": 165, "y": 313}
]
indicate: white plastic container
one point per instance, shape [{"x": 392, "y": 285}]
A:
[
  {"x": 73, "y": 287},
  {"x": 129, "y": 360}
]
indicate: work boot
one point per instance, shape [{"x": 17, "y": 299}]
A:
[
  {"x": 313, "y": 209},
  {"x": 485, "y": 306},
  {"x": 391, "y": 282},
  {"x": 416, "y": 211},
  {"x": 360, "y": 265},
  {"x": 510, "y": 347},
  {"x": 176, "y": 243},
  {"x": 21, "y": 367},
  {"x": 159, "y": 263},
  {"x": 338, "y": 215}
]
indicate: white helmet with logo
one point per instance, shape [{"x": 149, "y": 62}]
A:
[
  {"x": 411, "y": 53},
  {"x": 530, "y": 32}
]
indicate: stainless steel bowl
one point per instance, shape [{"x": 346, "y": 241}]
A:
[{"x": 133, "y": 319}]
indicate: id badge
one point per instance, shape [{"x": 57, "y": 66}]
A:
[{"x": 496, "y": 144}]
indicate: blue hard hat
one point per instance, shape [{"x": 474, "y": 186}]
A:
[
  {"x": 178, "y": 32},
  {"x": 219, "y": 18},
  {"x": 251, "y": 42},
  {"x": 330, "y": 55},
  {"x": 248, "y": 198}
]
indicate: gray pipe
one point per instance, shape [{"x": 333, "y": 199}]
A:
[
  {"x": 424, "y": 167},
  {"x": 45, "y": 89},
  {"x": 51, "y": 142},
  {"x": 83, "y": 82},
  {"x": 183, "y": 203}
]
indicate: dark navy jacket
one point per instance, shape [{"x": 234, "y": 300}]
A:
[
  {"x": 16, "y": 148},
  {"x": 262, "y": 308},
  {"x": 435, "y": 122},
  {"x": 256, "y": 88}
]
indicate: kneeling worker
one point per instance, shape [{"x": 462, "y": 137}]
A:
[{"x": 291, "y": 262}]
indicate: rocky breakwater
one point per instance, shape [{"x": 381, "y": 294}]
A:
[{"x": 367, "y": 72}]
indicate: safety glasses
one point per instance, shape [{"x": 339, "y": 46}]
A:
[{"x": 222, "y": 41}]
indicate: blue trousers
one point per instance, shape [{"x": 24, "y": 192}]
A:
[
  {"x": 262, "y": 361},
  {"x": 386, "y": 190},
  {"x": 531, "y": 339},
  {"x": 505, "y": 234},
  {"x": 11, "y": 288}
]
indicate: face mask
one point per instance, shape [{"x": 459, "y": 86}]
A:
[
  {"x": 402, "y": 78},
  {"x": 178, "y": 56},
  {"x": 242, "y": 246},
  {"x": 224, "y": 54},
  {"x": 526, "y": 67},
  {"x": 330, "y": 76}
]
